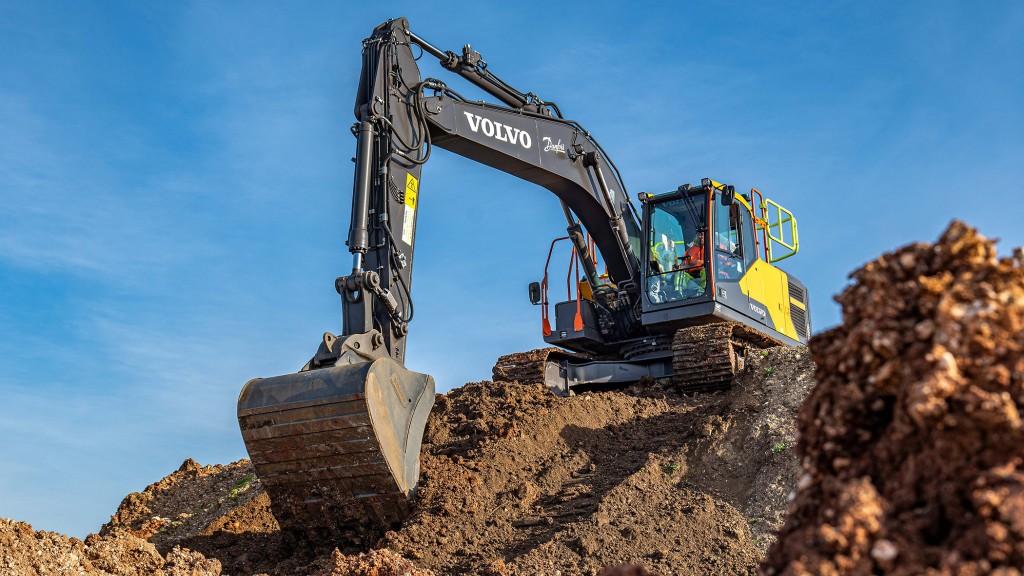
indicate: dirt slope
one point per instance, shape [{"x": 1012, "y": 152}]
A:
[
  {"x": 543, "y": 484},
  {"x": 913, "y": 444},
  {"x": 517, "y": 481}
]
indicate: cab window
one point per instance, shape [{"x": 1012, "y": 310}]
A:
[
  {"x": 749, "y": 237},
  {"x": 677, "y": 261},
  {"x": 730, "y": 237}
]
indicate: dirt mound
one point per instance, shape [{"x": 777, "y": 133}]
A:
[
  {"x": 754, "y": 465},
  {"x": 518, "y": 481},
  {"x": 511, "y": 473},
  {"x": 912, "y": 444},
  {"x": 373, "y": 563},
  {"x": 191, "y": 502},
  {"x": 220, "y": 511},
  {"x": 25, "y": 552}
]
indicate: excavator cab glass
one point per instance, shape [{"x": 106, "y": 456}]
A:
[
  {"x": 730, "y": 240},
  {"x": 678, "y": 269}
]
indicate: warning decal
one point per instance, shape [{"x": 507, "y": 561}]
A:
[{"x": 412, "y": 189}]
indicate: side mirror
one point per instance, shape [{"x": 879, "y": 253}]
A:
[
  {"x": 535, "y": 293},
  {"x": 728, "y": 195}
]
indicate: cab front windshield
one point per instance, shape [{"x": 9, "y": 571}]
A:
[{"x": 677, "y": 263}]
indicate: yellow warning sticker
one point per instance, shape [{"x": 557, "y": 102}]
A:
[{"x": 412, "y": 187}]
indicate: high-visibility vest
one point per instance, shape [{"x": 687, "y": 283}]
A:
[
  {"x": 665, "y": 258},
  {"x": 693, "y": 261},
  {"x": 683, "y": 277}
]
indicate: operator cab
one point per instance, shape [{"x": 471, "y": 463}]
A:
[
  {"x": 705, "y": 255},
  {"x": 704, "y": 262}
]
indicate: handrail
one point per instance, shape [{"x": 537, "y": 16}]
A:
[
  {"x": 760, "y": 222},
  {"x": 783, "y": 217},
  {"x": 544, "y": 312}
]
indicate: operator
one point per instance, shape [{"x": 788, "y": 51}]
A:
[
  {"x": 693, "y": 260},
  {"x": 685, "y": 276},
  {"x": 663, "y": 256},
  {"x": 692, "y": 279}
]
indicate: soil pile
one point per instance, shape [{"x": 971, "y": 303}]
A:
[
  {"x": 517, "y": 481},
  {"x": 220, "y": 510},
  {"x": 25, "y": 552},
  {"x": 538, "y": 484},
  {"x": 191, "y": 503},
  {"x": 912, "y": 444}
]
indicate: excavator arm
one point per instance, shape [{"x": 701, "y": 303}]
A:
[{"x": 337, "y": 444}]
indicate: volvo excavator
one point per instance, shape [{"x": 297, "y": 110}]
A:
[{"x": 680, "y": 291}]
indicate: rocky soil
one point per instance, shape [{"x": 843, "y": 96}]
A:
[
  {"x": 913, "y": 445},
  {"x": 24, "y": 551}
]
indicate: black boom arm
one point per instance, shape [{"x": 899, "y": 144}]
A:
[{"x": 400, "y": 117}]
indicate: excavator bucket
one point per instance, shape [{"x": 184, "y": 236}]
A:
[{"x": 337, "y": 448}]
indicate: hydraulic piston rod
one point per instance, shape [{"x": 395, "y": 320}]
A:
[
  {"x": 358, "y": 237},
  {"x": 469, "y": 67}
]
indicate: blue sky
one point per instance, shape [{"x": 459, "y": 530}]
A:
[{"x": 175, "y": 184}]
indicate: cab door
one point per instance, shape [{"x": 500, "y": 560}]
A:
[
  {"x": 734, "y": 254},
  {"x": 757, "y": 272}
]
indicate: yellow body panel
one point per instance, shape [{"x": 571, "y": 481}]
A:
[
  {"x": 585, "y": 291},
  {"x": 769, "y": 286}
]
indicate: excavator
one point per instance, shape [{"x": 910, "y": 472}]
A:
[{"x": 680, "y": 291}]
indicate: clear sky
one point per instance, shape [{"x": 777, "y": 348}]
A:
[{"x": 175, "y": 185}]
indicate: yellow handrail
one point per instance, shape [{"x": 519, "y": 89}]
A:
[{"x": 776, "y": 232}]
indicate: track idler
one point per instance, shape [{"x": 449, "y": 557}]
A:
[{"x": 337, "y": 447}]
